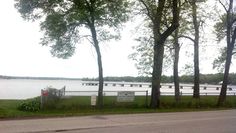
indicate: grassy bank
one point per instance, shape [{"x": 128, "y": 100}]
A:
[{"x": 75, "y": 106}]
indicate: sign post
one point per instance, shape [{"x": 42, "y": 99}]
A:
[
  {"x": 125, "y": 96},
  {"x": 93, "y": 100},
  {"x": 44, "y": 94}
]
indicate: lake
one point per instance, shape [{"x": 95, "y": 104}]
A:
[{"x": 28, "y": 88}]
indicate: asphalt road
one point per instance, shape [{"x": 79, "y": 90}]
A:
[{"x": 183, "y": 122}]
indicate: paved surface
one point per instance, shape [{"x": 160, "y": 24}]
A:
[{"x": 184, "y": 122}]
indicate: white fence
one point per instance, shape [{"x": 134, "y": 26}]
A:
[{"x": 111, "y": 88}]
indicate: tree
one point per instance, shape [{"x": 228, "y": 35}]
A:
[
  {"x": 155, "y": 12},
  {"x": 228, "y": 24},
  {"x": 196, "y": 22},
  {"x": 196, "y": 25},
  {"x": 61, "y": 20},
  {"x": 144, "y": 52},
  {"x": 195, "y": 41},
  {"x": 176, "y": 36}
]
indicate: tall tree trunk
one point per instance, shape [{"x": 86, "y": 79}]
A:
[
  {"x": 230, "y": 47},
  {"x": 159, "y": 40},
  {"x": 196, "y": 93},
  {"x": 176, "y": 64},
  {"x": 156, "y": 74},
  {"x": 100, "y": 69}
]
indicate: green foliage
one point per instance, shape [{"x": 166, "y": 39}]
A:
[
  {"x": 143, "y": 55},
  {"x": 31, "y": 105},
  {"x": 188, "y": 69},
  {"x": 220, "y": 32},
  {"x": 220, "y": 28},
  {"x": 219, "y": 62},
  {"x": 232, "y": 78},
  {"x": 167, "y": 79},
  {"x": 186, "y": 79},
  {"x": 211, "y": 78},
  {"x": 63, "y": 22}
]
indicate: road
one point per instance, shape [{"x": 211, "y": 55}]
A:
[{"x": 182, "y": 122}]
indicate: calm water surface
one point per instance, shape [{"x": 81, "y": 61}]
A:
[
  {"x": 25, "y": 88},
  {"x": 28, "y": 88}
]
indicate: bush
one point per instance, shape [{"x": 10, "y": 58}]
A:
[{"x": 30, "y": 105}]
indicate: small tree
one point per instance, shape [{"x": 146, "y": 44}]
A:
[{"x": 63, "y": 19}]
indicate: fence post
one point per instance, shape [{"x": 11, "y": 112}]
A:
[
  {"x": 146, "y": 98},
  {"x": 41, "y": 99}
]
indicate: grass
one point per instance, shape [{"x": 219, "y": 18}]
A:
[{"x": 77, "y": 106}]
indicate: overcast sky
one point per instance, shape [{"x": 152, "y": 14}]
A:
[{"x": 22, "y": 55}]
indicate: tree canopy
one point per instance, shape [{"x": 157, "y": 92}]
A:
[
  {"x": 63, "y": 22},
  {"x": 220, "y": 30}
]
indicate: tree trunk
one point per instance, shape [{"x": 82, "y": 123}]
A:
[
  {"x": 230, "y": 46},
  {"x": 196, "y": 50},
  {"x": 159, "y": 40},
  {"x": 176, "y": 63},
  {"x": 100, "y": 70},
  {"x": 156, "y": 74},
  {"x": 223, "y": 91}
]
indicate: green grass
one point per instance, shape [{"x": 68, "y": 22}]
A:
[
  {"x": 75, "y": 106},
  {"x": 8, "y": 109}
]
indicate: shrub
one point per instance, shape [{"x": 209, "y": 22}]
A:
[{"x": 30, "y": 105}]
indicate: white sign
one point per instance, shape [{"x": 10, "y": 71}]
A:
[
  {"x": 93, "y": 100},
  {"x": 125, "y": 96}
]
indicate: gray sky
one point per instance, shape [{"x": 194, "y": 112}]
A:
[{"x": 22, "y": 55}]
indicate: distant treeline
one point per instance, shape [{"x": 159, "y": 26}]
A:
[{"x": 204, "y": 78}]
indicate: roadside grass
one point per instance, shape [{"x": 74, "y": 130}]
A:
[{"x": 80, "y": 106}]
